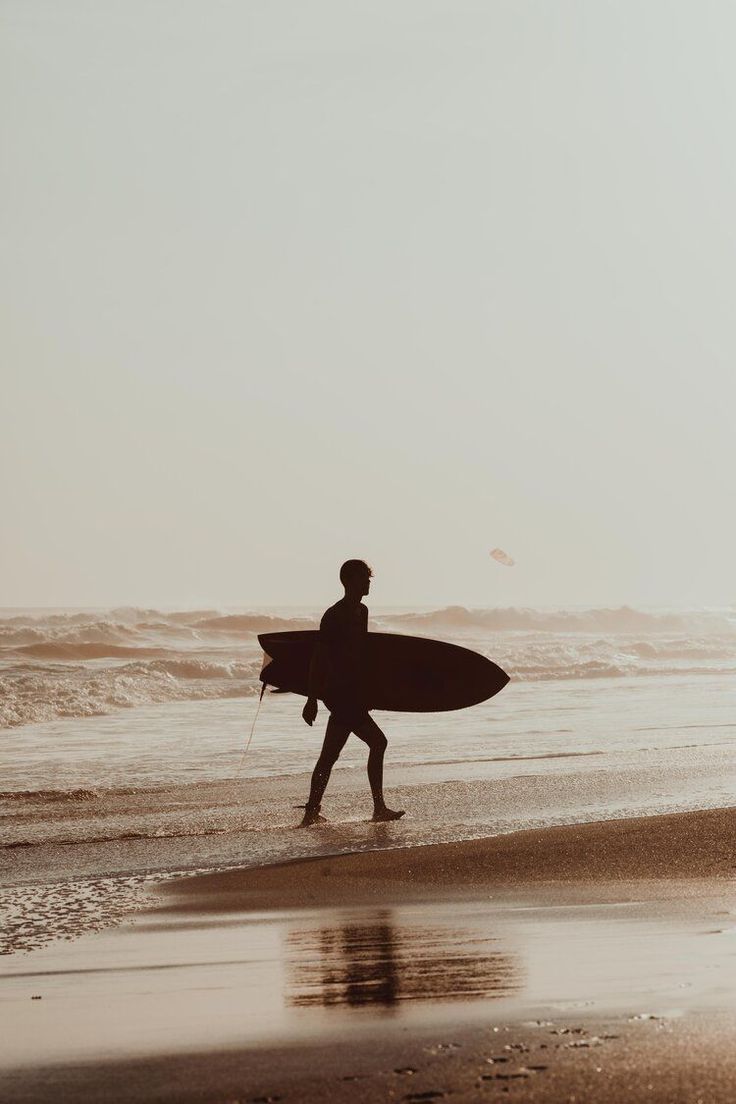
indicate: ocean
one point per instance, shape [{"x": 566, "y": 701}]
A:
[{"x": 124, "y": 738}]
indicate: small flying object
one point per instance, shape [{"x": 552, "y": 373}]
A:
[{"x": 501, "y": 557}]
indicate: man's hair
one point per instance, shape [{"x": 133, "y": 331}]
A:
[{"x": 354, "y": 569}]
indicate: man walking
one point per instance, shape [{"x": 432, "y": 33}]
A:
[{"x": 337, "y": 676}]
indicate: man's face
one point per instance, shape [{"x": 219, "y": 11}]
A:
[{"x": 366, "y": 585}]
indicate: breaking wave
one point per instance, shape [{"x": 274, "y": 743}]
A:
[{"x": 30, "y": 695}]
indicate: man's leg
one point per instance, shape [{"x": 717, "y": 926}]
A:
[
  {"x": 335, "y": 740},
  {"x": 370, "y": 734}
]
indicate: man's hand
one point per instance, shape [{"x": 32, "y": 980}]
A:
[{"x": 309, "y": 712}]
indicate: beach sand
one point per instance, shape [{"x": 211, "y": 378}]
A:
[
  {"x": 699, "y": 845},
  {"x": 586, "y": 962}
]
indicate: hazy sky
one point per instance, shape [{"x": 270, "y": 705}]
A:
[{"x": 284, "y": 283}]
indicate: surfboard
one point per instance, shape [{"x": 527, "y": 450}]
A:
[{"x": 405, "y": 674}]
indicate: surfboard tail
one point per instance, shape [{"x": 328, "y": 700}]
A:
[{"x": 265, "y": 664}]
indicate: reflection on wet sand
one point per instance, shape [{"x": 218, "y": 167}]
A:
[{"x": 371, "y": 960}]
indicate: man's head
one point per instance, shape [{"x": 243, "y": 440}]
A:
[{"x": 355, "y": 576}]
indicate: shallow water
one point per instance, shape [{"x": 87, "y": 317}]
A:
[{"x": 194, "y": 742}]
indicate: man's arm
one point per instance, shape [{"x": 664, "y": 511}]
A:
[
  {"x": 318, "y": 666},
  {"x": 315, "y": 685}
]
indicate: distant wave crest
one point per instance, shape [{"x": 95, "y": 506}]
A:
[
  {"x": 67, "y": 650},
  {"x": 620, "y": 620},
  {"x": 253, "y": 623},
  {"x": 129, "y": 632}
]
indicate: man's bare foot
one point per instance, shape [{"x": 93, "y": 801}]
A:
[
  {"x": 312, "y": 816},
  {"x": 384, "y": 813}
]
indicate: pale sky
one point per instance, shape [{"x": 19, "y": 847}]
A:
[{"x": 284, "y": 283}]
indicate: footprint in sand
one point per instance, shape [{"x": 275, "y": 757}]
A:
[
  {"x": 513, "y": 1075},
  {"x": 430, "y": 1094}
]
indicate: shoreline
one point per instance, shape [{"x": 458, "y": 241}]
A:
[{"x": 698, "y": 845}]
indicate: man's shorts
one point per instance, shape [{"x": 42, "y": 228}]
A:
[{"x": 347, "y": 710}]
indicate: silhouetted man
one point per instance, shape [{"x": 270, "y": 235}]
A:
[{"x": 337, "y": 676}]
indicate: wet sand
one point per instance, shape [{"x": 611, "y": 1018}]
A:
[
  {"x": 606, "y": 1061},
  {"x": 589, "y": 962},
  {"x": 698, "y": 845}
]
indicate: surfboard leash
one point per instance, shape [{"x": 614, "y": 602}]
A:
[{"x": 252, "y": 730}]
